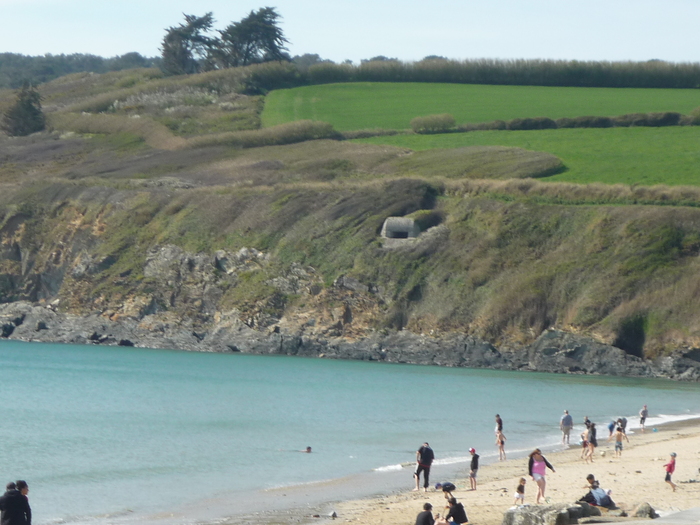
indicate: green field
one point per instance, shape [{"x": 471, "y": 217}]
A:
[
  {"x": 644, "y": 156},
  {"x": 392, "y": 105}
]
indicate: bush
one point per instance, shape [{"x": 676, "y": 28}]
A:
[
  {"x": 521, "y": 124},
  {"x": 271, "y": 75},
  {"x": 293, "y": 132},
  {"x": 693, "y": 119},
  {"x": 584, "y": 122},
  {"x": 433, "y": 123},
  {"x": 331, "y": 73},
  {"x": 24, "y": 117}
]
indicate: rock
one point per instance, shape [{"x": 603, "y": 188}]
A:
[
  {"x": 644, "y": 510},
  {"x": 350, "y": 283},
  {"x": 539, "y": 515}
]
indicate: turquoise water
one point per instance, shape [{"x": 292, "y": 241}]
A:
[{"x": 126, "y": 433}]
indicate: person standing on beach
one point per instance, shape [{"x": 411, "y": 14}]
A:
[
  {"x": 499, "y": 424},
  {"x": 501, "y": 443},
  {"x": 670, "y": 469},
  {"x": 619, "y": 435},
  {"x": 520, "y": 492},
  {"x": 426, "y": 517},
  {"x": 643, "y": 413},
  {"x": 424, "y": 458},
  {"x": 536, "y": 467},
  {"x": 473, "y": 468},
  {"x": 592, "y": 443},
  {"x": 14, "y": 506},
  {"x": 565, "y": 425}
]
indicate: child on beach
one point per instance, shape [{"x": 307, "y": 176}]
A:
[
  {"x": 520, "y": 492},
  {"x": 500, "y": 443},
  {"x": 670, "y": 469},
  {"x": 619, "y": 434}
]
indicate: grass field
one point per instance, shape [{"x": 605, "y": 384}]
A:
[
  {"x": 644, "y": 156},
  {"x": 393, "y": 105}
]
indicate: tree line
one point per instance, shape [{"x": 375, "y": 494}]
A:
[{"x": 16, "y": 69}]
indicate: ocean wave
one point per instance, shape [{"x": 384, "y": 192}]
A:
[{"x": 391, "y": 468}]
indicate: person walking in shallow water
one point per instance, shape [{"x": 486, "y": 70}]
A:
[
  {"x": 566, "y": 423},
  {"x": 501, "y": 443},
  {"x": 643, "y": 413}
]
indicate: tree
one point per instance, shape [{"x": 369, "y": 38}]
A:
[
  {"x": 24, "y": 117},
  {"x": 256, "y": 38},
  {"x": 186, "y": 47}
]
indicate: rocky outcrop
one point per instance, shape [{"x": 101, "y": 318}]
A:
[
  {"x": 208, "y": 302},
  {"x": 553, "y": 351}
]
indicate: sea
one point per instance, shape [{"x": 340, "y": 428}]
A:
[{"x": 135, "y": 435}]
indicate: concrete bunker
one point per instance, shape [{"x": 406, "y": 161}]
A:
[{"x": 400, "y": 228}]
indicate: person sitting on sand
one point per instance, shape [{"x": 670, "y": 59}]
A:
[
  {"x": 455, "y": 514},
  {"x": 520, "y": 492},
  {"x": 597, "y": 496},
  {"x": 426, "y": 517}
]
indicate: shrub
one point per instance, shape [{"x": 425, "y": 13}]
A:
[
  {"x": 366, "y": 133},
  {"x": 331, "y": 73},
  {"x": 265, "y": 77},
  {"x": 290, "y": 133},
  {"x": 24, "y": 117},
  {"x": 433, "y": 123},
  {"x": 520, "y": 124},
  {"x": 693, "y": 119},
  {"x": 584, "y": 122},
  {"x": 630, "y": 119}
]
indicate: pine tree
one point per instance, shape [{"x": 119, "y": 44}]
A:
[{"x": 24, "y": 117}]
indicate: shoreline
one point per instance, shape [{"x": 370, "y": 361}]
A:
[{"x": 636, "y": 477}]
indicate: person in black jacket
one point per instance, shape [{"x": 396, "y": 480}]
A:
[
  {"x": 455, "y": 515},
  {"x": 14, "y": 506},
  {"x": 426, "y": 517},
  {"x": 473, "y": 468},
  {"x": 424, "y": 458}
]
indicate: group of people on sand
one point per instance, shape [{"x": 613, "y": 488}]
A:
[
  {"x": 14, "y": 504},
  {"x": 455, "y": 513},
  {"x": 617, "y": 429}
]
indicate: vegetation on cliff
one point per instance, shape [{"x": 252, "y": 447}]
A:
[{"x": 138, "y": 167}]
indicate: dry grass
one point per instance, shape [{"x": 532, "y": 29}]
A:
[
  {"x": 595, "y": 193},
  {"x": 154, "y": 134}
]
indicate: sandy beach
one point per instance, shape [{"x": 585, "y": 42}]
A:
[{"x": 636, "y": 477}]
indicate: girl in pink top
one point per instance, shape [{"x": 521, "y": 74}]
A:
[
  {"x": 670, "y": 469},
  {"x": 536, "y": 468}
]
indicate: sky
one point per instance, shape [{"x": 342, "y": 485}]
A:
[{"x": 358, "y": 29}]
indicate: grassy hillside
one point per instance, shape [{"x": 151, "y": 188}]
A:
[
  {"x": 393, "y": 105},
  {"x": 645, "y": 156},
  {"x": 152, "y": 161}
]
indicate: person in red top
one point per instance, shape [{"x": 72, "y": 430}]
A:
[{"x": 670, "y": 469}]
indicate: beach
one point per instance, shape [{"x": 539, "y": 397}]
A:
[{"x": 636, "y": 477}]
